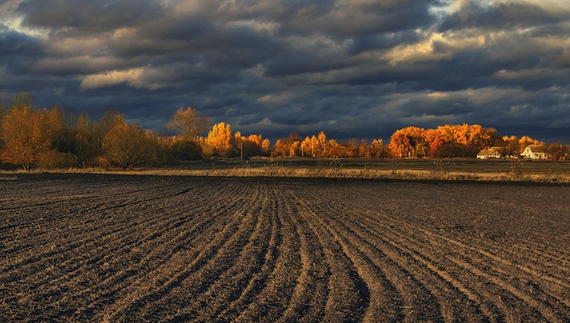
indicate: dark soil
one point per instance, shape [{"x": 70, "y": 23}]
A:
[{"x": 114, "y": 248}]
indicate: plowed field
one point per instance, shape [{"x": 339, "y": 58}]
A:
[{"x": 95, "y": 248}]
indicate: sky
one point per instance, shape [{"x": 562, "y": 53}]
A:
[{"x": 351, "y": 68}]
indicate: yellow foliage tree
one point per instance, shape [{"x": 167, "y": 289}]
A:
[
  {"x": 128, "y": 145},
  {"x": 188, "y": 123},
  {"x": 408, "y": 142},
  {"x": 527, "y": 141},
  {"x": 252, "y": 145},
  {"x": 27, "y": 135},
  {"x": 220, "y": 139}
]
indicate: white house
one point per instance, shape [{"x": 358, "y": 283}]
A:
[
  {"x": 536, "y": 152},
  {"x": 489, "y": 153}
]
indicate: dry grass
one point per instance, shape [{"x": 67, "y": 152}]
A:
[{"x": 437, "y": 170}]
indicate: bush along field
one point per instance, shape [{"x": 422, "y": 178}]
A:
[{"x": 115, "y": 248}]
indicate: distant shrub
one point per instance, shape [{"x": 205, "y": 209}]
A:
[
  {"x": 186, "y": 150},
  {"x": 455, "y": 151}
]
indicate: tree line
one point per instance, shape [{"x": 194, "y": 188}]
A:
[{"x": 57, "y": 138}]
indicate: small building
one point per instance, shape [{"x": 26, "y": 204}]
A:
[
  {"x": 536, "y": 152},
  {"x": 492, "y": 152}
]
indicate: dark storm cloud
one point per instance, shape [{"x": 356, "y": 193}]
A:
[
  {"x": 357, "y": 18},
  {"x": 89, "y": 16},
  {"x": 18, "y": 50},
  {"x": 16, "y": 44},
  {"x": 353, "y": 68},
  {"x": 381, "y": 41},
  {"x": 502, "y": 16}
]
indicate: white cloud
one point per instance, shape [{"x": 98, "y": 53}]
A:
[
  {"x": 255, "y": 25},
  {"x": 273, "y": 100},
  {"x": 10, "y": 18},
  {"x": 111, "y": 78}
]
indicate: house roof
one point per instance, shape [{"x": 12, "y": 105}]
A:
[
  {"x": 487, "y": 152},
  {"x": 537, "y": 148}
]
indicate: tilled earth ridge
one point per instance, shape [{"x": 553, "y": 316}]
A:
[{"x": 110, "y": 248}]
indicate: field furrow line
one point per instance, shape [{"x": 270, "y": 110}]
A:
[
  {"x": 437, "y": 283},
  {"x": 117, "y": 269},
  {"x": 52, "y": 198},
  {"x": 350, "y": 287},
  {"x": 414, "y": 281},
  {"x": 472, "y": 258},
  {"x": 422, "y": 263},
  {"x": 84, "y": 234},
  {"x": 419, "y": 302},
  {"x": 272, "y": 300},
  {"x": 66, "y": 213},
  {"x": 199, "y": 273},
  {"x": 438, "y": 261},
  {"x": 258, "y": 280},
  {"x": 309, "y": 299},
  {"x": 81, "y": 271},
  {"x": 92, "y": 248},
  {"x": 236, "y": 262},
  {"x": 559, "y": 259},
  {"x": 58, "y": 212},
  {"x": 554, "y": 268},
  {"x": 389, "y": 292},
  {"x": 169, "y": 275},
  {"x": 481, "y": 256},
  {"x": 552, "y": 299},
  {"x": 491, "y": 251},
  {"x": 189, "y": 295}
]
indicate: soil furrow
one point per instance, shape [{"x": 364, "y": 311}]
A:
[
  {"x": 349, "y": 296},
  {"x": 258, "y": 280},
  {"x": 309, "y": 298},
  {"x": 94, "y": 248},
  {"x": 168, "y": 276},
  {"x": 270, "y": 302},
  {"x": 173, "y": 273},
  {"x": 489, "y": 267}
]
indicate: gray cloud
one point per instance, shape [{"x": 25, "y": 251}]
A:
[
  {"x": 504, "y": 15},
  {"x": 88, "y": 16},
  {"x": 353, "y": 68}
]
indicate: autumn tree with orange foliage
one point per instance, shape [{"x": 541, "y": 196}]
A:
[
  {"x": 28, "y": 136},
  {"x": 309, "y": 146},
  {"x": 511, "y": 145},
  {"x": 3, "y": 113},
  {"x": 408, "y": 142},
  {"x": 288, "y": 146},
  {"x": 434, "y": 140},
  {"x": 19, "y": 101},
  {"x": 129, "y": 145},
  {"x": 526, "y": 141},
  {"x": 188, "y": 123},
  {"x": 88, "y": 135},
  {"x": 52, "y": 138},
  {"x": 220, "y": 139},
  {"x": 252, "y": 145},
  {"x": 319, "y": 146},
  {"x": 417, "y": 142}
]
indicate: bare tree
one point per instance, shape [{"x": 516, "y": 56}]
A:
[{"x": 188, "y": 123}]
